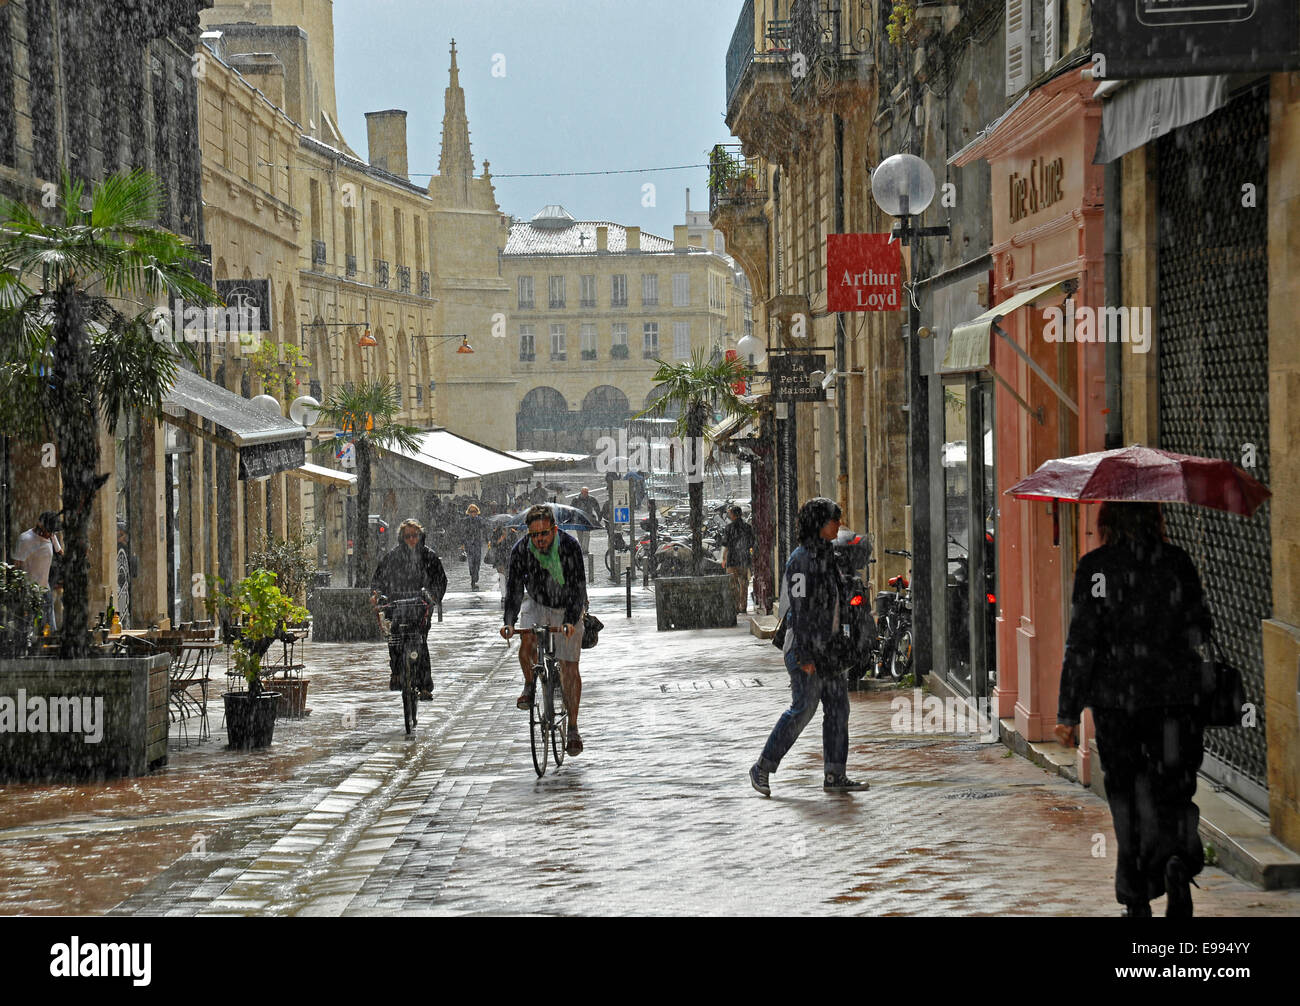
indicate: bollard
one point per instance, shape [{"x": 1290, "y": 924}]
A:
[
  {"x": 629, "y": 592},
  {"x": 591, "y": 567},
  {"x": 440, "y": 611}
]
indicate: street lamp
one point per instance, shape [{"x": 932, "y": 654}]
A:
[
  {"x": 752, "y": 349},
  {"x": 365, "y": 342},
  {"x": 464, "y": 346},
  {"x": 903, "y": 187}
]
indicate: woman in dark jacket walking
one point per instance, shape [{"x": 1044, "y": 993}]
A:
[
  {"x": 1137, "y": 621},
  {"x": 472, "y": 531},
  {"x": 811, "y": 601}
]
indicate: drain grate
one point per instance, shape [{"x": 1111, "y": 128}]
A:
[
  {"x": 713, "y": 685},
  {"x": 975, "y": 794}
]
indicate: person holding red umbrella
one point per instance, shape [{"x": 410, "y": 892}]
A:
[{"x": 1138, "y": 619}]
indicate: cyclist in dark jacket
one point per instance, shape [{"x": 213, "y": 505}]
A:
[
  {"x": 403, "y": 572},
  {"x": 547, "y": 564},
  {"x": 810, "y": 602}
]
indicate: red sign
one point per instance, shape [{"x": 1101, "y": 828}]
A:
[
  {"x": 863, "y": 272},
  {"x": 738, "y": 387}
]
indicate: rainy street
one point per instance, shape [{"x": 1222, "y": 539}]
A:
[{"x": 344, "y": 814}]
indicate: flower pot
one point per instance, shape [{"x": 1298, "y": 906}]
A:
[
  {"x": 293, "y": 692},
  {"x": 250, "y": 723}
]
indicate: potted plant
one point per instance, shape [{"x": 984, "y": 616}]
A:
[
  {"x": 263, "y": 611},
  {"x": 21, "y": 601},
  {"x": 291, "y": 559}
]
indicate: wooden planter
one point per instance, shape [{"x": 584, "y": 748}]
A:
[
  {"x": 694, "y": 602},
  {"x": 99, "y": 717}
]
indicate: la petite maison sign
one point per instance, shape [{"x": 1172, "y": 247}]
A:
[{"x": 862, "y": 272}]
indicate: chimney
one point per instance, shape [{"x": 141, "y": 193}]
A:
[
  {"x": 634, "y": 239},
  {"x": 688, "y": 200},
  {"x": 602, "y": 239},
  {"x": 386, "y": 136},
  {"x": 680, "y": 238}
]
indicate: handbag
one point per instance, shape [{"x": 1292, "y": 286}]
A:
[
  {"x": 591, "y": 626},
  {"x": 1225, "y": 697}
]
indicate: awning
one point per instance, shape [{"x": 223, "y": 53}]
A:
[
  {"x": 464, "y": 460},
  {"x": 266, "y": 443},
  {"x": 970, "y": 351},
  {"x": 548, "y": 459},
  {"x": 326, "y": 476},
  {"x": 1145, "y": 110}
]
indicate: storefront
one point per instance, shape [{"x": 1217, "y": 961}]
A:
[{"x": 1030, "y": 376}]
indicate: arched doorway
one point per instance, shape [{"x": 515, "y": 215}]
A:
[
  {"x": 605, "y": 412},
  {"x": 542, "y": 422}
]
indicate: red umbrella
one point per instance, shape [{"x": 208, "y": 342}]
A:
[{"x": 1144, "y": 474}]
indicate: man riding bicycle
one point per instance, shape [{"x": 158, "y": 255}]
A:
[
  {"x": 548, "y": 565},
  {"x": 409, "y": 568}
]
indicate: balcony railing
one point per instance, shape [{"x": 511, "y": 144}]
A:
[
  {"x": 404, "y": 278},
  {"x": 317, "y": 253},
  {"x": 734, "y": 179},
  {"x": 526, "y": 357},
  {"x": 381, "y": 273},
  {"x": 424, "y": 284},
  {"x": 350, "y": 265}
]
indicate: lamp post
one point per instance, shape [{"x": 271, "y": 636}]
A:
[
  {"x": 366, "y": 341},
  {"x": 903, "y": 187}
]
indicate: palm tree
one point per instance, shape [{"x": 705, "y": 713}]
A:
[
  {"x": 84, "y": 341},
  {"x": 367, "y": 418},
  {"x": 697, "y": 387}
]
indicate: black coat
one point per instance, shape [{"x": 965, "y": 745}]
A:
[
  {"x": 406, "y": 571},
  {"x": 811, "y": 591},
  {"x": 526, "y": 572},
  {"x": 1137, "y": 617}
]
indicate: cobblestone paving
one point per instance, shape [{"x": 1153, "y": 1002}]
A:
[{"x": 347, "y": 815}]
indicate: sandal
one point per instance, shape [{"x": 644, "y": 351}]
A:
[
  {"x": 575, "y": 744},
  {"x": 525, "y": 701}
]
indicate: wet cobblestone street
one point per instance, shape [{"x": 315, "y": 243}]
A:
[{"x": 345, "y": 814}]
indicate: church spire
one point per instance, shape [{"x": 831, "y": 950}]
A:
[{"x": 456, "y": 165}]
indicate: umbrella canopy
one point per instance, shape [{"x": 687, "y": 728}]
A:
[
  {"x": 567, "y": 518},
  {"x": 1144, "y": 474},
  {"x": 501, "y": 519}
]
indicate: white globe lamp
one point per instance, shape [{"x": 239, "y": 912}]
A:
[
  {"x": 752, "y": 350},
  {"x": 267, "y": 404},
  {"x": 903, "y": 185},
  {"x": 304, "y": 410}
]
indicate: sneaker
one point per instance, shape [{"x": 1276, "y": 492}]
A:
[
  {"x": 394, "y": 685},
  {"x": 426, "y": 695},
  {"x": 840, "y": 783},
  {"x": 1178, "y": 885},
  {"x": 758, "y": 779}
]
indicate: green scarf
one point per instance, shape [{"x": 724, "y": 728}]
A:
[{"x": 550, "y": 559}]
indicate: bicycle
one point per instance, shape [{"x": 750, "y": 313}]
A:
[
  {"x": 548, "y": 715},
  {"x": 894, "y": 618},
  {"x": 407, "y": 624}
]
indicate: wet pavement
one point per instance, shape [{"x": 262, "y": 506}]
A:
[{"x": 345, "y": 814}]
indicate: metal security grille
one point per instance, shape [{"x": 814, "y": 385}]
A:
[{"x": 1212, "y": 340}]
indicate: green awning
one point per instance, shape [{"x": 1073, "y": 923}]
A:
[{"x": 968, "y": 346}]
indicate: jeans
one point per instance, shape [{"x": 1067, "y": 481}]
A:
[
  {"x": 1150, "y": 758},
  {"x": 474, "y": 556},
  {"x": 49, "y": 609},
  {"x": 807, "y": 690}
]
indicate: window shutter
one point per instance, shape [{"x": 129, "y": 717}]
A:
[
  {"x": 1051, "y": 47},
  {"x": 1017, "y": 46}
]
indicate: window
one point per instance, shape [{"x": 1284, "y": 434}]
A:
[
  {"x": 527, "y": 344},
  {"x": 650, "y": 290},
  {"x": 682, "y": 340},
  {"x": 525, "y": 293},
  {"x": 618, "y": 341},
  {"x": 618, "y": 291},
  {"x": 557, "y": 342},
  {"x": 557, "y": 291},
  {"x": 681, "y": 289},
  {"x": 588, "y": 342},
  {"x": 650, "y": 340},
  {"x": 1017, "y": 47},
  {"x": 588, "y": 291}
]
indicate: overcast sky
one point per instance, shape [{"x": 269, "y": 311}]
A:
[{"x": 588, "y": 86}]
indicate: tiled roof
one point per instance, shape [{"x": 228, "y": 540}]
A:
[{"x": 580, "y": 239}]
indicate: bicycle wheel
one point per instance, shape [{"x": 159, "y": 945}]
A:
[
  {"x": 538, "y": 728},
  {"x": 609, "y": 560},
  {"x": 900, "y": 661},
  {"x": 559, "y": 720}
]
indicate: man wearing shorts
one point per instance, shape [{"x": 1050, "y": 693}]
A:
[{"x": 547, "y": 566}]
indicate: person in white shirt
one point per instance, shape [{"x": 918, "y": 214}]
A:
[{"x": 34, "y": 554}]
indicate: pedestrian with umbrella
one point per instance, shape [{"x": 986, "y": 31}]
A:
[{"x": 1139, "y": 633}]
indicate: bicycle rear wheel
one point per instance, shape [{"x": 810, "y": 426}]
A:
[
  {"x": 538, "y": 728},
  {"x": 559, "y": 721},
  {"x": 410, "y": 696}
]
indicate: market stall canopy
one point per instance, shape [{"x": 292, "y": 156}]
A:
[
  {"x": 470, "y": 466},
  {"x": 326, "y": 476},
  {"x": 548, "y": 459},
  {"x": 266, "y": 443}
]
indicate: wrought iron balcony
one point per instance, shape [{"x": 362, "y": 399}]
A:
[
  {"x": 381, "y": 273},
  {"x": 317, "y": 253},
  {"x": 734, "y": 179},
  {"x": 350, "y": 266},
  {"x": 404, "y": 278},
  {"x": 424, "y": 284},
  {"x": 527, "y": 357}
]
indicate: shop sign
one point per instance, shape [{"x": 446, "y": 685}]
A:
[
  {"x": 792, "y": 380},
  {"x": 1040, "y": 188},
  {"x": 862, "y": 272},
  {"x": 257, "y": 461},
  {"x": 1188, "y": 38},
  {"x": 251, "y": 295}
]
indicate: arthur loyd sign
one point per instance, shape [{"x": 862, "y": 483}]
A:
[{"x": 862, "y": 272}]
